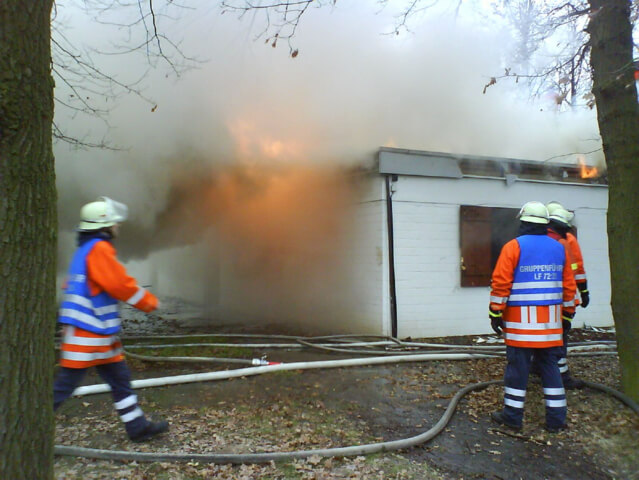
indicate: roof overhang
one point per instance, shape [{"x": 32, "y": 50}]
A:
[{"x": 397, "y": 161}]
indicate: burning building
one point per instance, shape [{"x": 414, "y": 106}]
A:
[{"x": 405, "y": 247}]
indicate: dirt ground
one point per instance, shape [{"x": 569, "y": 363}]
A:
[{"x": 312, "y": 409}]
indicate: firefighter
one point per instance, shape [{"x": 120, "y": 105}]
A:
[
  {"x": 577, "y": 264},
  {"x": 90, "y": 316},
  {"x": 532, "y": 293},
  {"x": 559, "y": 229}
]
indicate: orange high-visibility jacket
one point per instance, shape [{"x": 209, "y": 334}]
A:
[
  {"x": 533, "y": 326},
  {"x": 81, "y": 348},
  {"x": 577, "y": 260}
]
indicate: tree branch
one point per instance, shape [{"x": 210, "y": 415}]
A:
[{"x": 91, "y": 88}]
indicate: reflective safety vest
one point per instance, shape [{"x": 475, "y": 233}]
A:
[
  {"x": 83, "y": 349},
  {"x": 532, "y": 283},
  {"x": 99, "y": 313},
  {"x": 539, "y": 273}
]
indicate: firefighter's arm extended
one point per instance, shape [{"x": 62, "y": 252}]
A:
[{"x": 107, "y": 274}]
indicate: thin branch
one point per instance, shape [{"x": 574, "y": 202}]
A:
[
  {"x": 91, "y": 87},
  {"x": 289, "y": 14},
  {"x": 74, "y": 141},
  {"x": 573, "y": 154}
]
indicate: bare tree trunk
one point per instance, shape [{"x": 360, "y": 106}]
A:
[
  {"x": 28, "y": 230},
  {"x": 618, "y": 116}
]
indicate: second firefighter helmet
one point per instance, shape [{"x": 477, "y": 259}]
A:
[
  {"x": 561, "y": 216},
  {"x": 558, "y": 212},
  {"x": 533, "y": 212},
  {"x": 102, "y": 213}
]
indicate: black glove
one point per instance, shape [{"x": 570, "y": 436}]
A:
[
  {"x": 585, "y": 298},
  {"x": 496, "y": 321},
  {"x": 566, "y": 320}
]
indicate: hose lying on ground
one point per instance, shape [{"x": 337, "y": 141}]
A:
[
  {"x": 325, "y": 452},
  {"x": 368, "y": 348},
  {"x": 244, "y": 372},
  {"x": 615, "y": 393},
  {"x": 413, "y": 349},
  {"x": 149, "y": 358},
  {"x": 279, "y": 456}
]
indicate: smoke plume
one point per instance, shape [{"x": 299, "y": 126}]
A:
[{"x": 252, "y": 154}]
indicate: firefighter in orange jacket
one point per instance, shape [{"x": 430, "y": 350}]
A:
[
  {"x": 574, "y": 249},
  {"x": 89, "y": 313},
  {"x": 532, "y": 294},
  {"x": 559, "y": 229}
]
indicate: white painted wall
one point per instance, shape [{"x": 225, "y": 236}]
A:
[
  {"x": 431, "y": 301},
  {"x": 366, "y": 260},
  {"x": 350, "y": 296}
]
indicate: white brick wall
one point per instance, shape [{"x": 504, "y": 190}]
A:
[
  {"x": 427, "y": 256},
  {"x": 427, "y": 253},
  {"x": 365, "y": 305},
  {"x": 350, "y": 297}
]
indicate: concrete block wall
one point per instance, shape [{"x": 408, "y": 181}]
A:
[
  {"x": 364, "y": 300},
  {"x": 427, "y": 269},
  {"x": 349, "y": 296},
  {"x": 593, "y": 240},
  {"x": 431, "y": 301}
]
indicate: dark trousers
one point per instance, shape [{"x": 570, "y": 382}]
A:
[
  {"x": 563, "y": 360},
  {"x": 516, "y": 382},
  {"x": 118, "y": 376}
]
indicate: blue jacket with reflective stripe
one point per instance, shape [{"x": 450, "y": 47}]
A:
[
  {"x": 538, "y": 277},
  {"x": 97, "y": 314}
]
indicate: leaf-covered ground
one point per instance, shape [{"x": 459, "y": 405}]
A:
[{"x": 301, "y": 410}]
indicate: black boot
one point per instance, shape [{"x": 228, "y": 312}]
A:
[
  {"x": 151, "y": 430},
  {"x": 556, "y": 429},
  {"x": 499, "y": 418}
]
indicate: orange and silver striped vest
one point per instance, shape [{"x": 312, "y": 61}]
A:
[
  {"x": 83, "y": 349},
  {"x": 532, "y": 317}
]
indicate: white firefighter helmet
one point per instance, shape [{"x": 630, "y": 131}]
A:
[
  {"x": 554, "y": 205},
  {"x": 561, "y": 216},
  {"x": 533, "y": 212},
  {"x": 102, "y": 213}
]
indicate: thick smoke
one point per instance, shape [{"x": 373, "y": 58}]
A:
[{"x": 250, "y": 157}]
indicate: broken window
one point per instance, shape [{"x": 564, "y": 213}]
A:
[{"x": 483, "y": 231}]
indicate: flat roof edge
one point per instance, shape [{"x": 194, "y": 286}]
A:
[{"x": 450, "y": 165}]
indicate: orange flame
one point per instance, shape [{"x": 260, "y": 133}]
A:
[
  {"x": 254, "y": 145},
  {"x": 586, "y": 171},
  {"x": 280, "y": 218}
]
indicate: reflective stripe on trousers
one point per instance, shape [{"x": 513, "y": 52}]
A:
[
  {"x": 118, "y": 377},
  {"x": 563, "y": 360},
  {"x": 516, "y": 382}
]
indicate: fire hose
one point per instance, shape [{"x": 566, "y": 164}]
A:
[{"x": 280, "y": 456}]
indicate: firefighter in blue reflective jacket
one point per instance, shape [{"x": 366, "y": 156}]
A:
[{"x": 532, "y": 288}]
